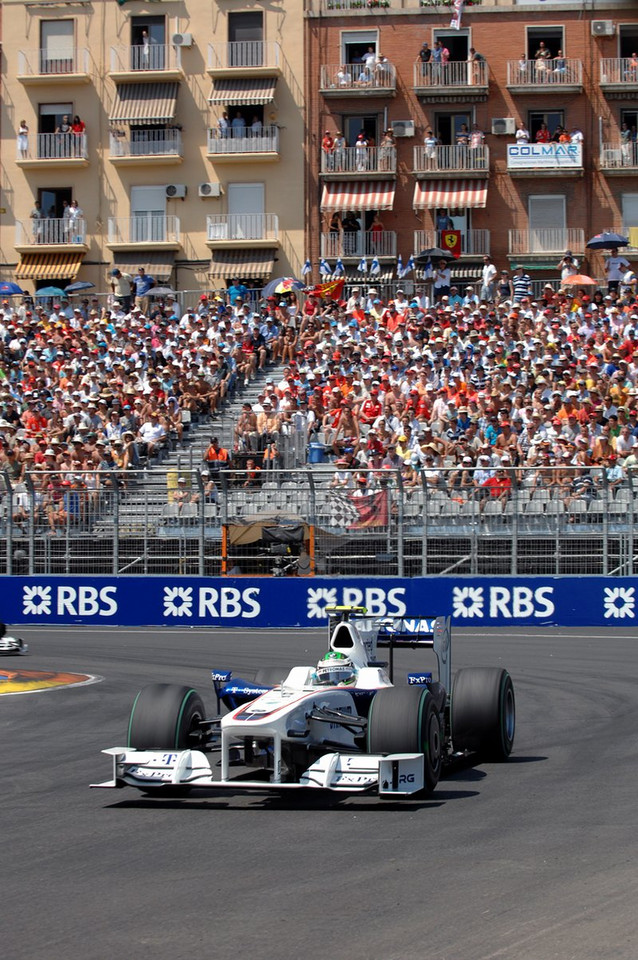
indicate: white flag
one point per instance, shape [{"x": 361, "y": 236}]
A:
[
  {"x": 307, "y": 268},
  {"x": 324, "y": 268},
  {"x": 363, "y": 265},
  {"x": 375, "y": 268}
]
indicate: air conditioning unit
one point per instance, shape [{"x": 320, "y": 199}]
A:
[
  {"x": 403, "y": 128},
  {"x": 503, "y": 125},
  {"x": 175, "y": 191},
  {"x": 182, "y": 39},
  {"x": 603, "y": 28},
  {"x": 210, "y": 189}
]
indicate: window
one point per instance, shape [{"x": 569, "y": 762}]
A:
[
  {"x": 148, "y": 214},
  {"x": 627, "y": 39},
  {"x": 52, "y": 117},
  {"x": 447, "y": 126},
  {"x": 245, "y": 27},
  {"x": 53, "y": 201},
  {"x": 553, "y": 119},
  {"x": 550, "y": 37},
  {"x": 547, "y": 223},
  {"x": 629, "y": 211},
  {"x": 148, "y": 43},
  {"x": 456, "y": 41},
  {"x": 630, "y": 117},
  {"x": 356, "y": 43},
  {"x": 246, "y": 210},
  {"x": 56, "y": 46},
  {"x": 354, "y": 125}
]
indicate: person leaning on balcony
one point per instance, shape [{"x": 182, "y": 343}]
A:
[
  {"x": 339, "y": 151},
  {"x": 387, "y": 150},
  {"x": 522, "y": 134},
  {"x": 223, "y": 124},
  {"x": 474, "y": 71},
  {"x": 543, "y": 135},
  {"x": 542, "y": 55},
  {"x": 383, "y": 71},
  {"x": 631, "y": 68},
  {"x": 75, "y": 215},
  {"x": 78, "y": 129},
  {"x": 238, "y": 125},
  {"x": 430, "y": 142},
  {"x": 36, "y": 222},
  {"x": 23, "y": 140},
  {"x": 327, "y": 151},
  {"x": 63, "y": 136},
  {"x": 559, "y": 66},
  {"x": 344, "y": 76},
  {"x": 256, "y": 126}
]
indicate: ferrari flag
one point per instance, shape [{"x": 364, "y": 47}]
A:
[{"x": 451, "y": 242}]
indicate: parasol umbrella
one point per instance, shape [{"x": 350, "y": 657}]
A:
[
  {"x": 161, "y": 292},
  {"x": 10, "y": 289},
  {"x": 579, "y": 280},
  {"x": 430, "y": 254},
  {"x": 50, "y": 292},
  {"x": 607, "y": 241},
  {"x": 78, "y": 285},
  {"x": 282, "y": 285}
]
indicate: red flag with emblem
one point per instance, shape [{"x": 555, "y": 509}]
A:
[
  {"x": 451, "y": 242},
  {"x": 333, "y": 289}
]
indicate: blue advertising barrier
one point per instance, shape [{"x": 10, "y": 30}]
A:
[{"x": 300, "y": 602}]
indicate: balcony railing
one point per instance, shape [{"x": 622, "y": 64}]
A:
[
  {"x": 451, "y": 74},
  {"x": 244, "y": 141},
  {"x": 559, "y": 72},
  {"x": 54, "y": 146},
  {"x": 552, "y": 241},
  {"x": 363, "y": 244},
  {"x": 51, "y": 63},
  {"x": 146, "y": 143},
  {"x": 360, "y": 160},
  {"x": 144, "y": 228},
  {"x": 352, "y": 78},
  {"x": 244, "y": 55},
  {"x": 473, "y": 242},
  {"x": 619, "y": 70},
  {"x": 619, "y": 156},
  {"x": 452, "y": 158},
  {"x": 50, "y": 230},
  {"x": 242, "y": 226},
  {"x": 155, "y": 56}
]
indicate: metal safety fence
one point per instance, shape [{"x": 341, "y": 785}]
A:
[{"x": 326, "y": 519}]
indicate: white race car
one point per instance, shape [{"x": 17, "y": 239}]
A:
[
  {"x": 341, "y": 725},
  {"x": 11, "y": 645}
]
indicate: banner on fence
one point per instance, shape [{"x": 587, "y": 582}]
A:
[{"x": 301, "y": 602}]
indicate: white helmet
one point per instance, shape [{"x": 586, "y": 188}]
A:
[{"x": 335, "y": 668}]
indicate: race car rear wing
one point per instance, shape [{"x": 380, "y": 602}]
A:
[{"x": 432, "y": 632}]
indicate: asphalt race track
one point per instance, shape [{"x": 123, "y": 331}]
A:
[{"x": 531, "y": 860}]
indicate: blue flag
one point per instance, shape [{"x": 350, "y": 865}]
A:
[
  {"x": 363, "y": 265},
  {"x": 324, "y": 268},
  {"x": 375, "y": 268},
  {"x": 307, "y": 268}
]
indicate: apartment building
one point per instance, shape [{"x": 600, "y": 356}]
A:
[
  {"x": 520, "y": 203},
  {"x": 177, "y": 127}
]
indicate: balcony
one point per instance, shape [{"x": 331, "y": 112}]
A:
[
  {"x": 474, "y": 243},
  {"x": 619, "y": 159},
  {"x": 154, "y": 231},
  {"x": 618, "y": 77},
  {"x": 244, "y": 146},
  {"x": 549, "y": 242},
  {"x": 244, "y": 58},
  {"x": 159, "y": 61},
  {"x": 38, "y": 67},
  {"x": 53, "y": 150},
  {"x": 50, "y": 235},
  {"x": 357, "y": 245},
  {"x": 545, "y": 160},
  {"x": 359, "y": 163},
  {"x": 239, "y": 230},
  {"x": 354, "y": 80},
  {"x": 446, "y": 162},
  {"x": 452, "y": 82},
  {"x": 545, "y": 76},
  {"x": 145, "y": 147}
]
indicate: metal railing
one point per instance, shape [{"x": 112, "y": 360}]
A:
[
  {"x": 242, "y": 226},
  {"x": 243, "y": 141},
  {"x": 361, "y": 159},
  {"x": 54, "y": 146},
  {"x": 152, "y": 56},
  {"x": 382, "y": 243},
  {"x": 50, "y": 230},
  {"x": 616, "y": 155},
  {"x": 47, "y": 63},
  {"x": 442, "y": 520},
  {"x": 146, "y": 143},
  {"x": 559, "y": 71},
  {"x": 619, "y": 70},
  {"x": 454, "y": 157},
  {"x": 358, "y": 76},
  {"x": 475, "y": 242},
  {"x": 244, "y": 54},
  {"x": 144, "y": 228},
  {"x": 451, "y": 74},
  {"x": 554, "y": 241}
]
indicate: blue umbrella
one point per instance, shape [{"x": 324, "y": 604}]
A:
[
  {"x": 50, "y": 292},
  {"x": 607, "y": 241},
  {"x": 78, "y": 285},
  {"x": 10, "y": 289}
]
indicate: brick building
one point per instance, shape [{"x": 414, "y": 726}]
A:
[{"x": 523, "y": 204}]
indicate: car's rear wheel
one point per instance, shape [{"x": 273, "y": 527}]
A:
[
  {"x": 165, "y": 716},
  {"x": 483, "y": 712},
  {"x": 406, "y": 720}
]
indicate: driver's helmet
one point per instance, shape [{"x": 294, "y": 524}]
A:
[{"x": 335, "y": 668}]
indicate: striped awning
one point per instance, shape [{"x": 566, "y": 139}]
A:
[
  {"x": 459, "y": 274},
  {"x": 365, "y": 280},
  {"x": 49, "y": 266},
  {"x": 144, "y": 103},
  {"x": 451, "y": 194},
  {"x": 243, "y": 91},
  {"x": 158, "y": 265},
  {"x": 242, "y": 263},
  {"x": 357, "y": 195}
]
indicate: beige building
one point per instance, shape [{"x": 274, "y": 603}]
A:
[{"x": 122, "y": 108}]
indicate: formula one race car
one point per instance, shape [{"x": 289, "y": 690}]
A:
[
  {"x": 342, "y": 725},
  {"x": 10, "y": 645}
]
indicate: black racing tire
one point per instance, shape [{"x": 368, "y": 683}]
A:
[
  {"x": 163, "y": 717},
  {"x": 271, "y": 676},
  {"x": 483, "y": 712},
  {"x": 3, "y": 629},
  {"x": 405, "y": 720}
]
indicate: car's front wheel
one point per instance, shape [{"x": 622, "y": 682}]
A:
[
  {"x": 165, "y": 716},
  {"x": 406, "y": 720}
]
